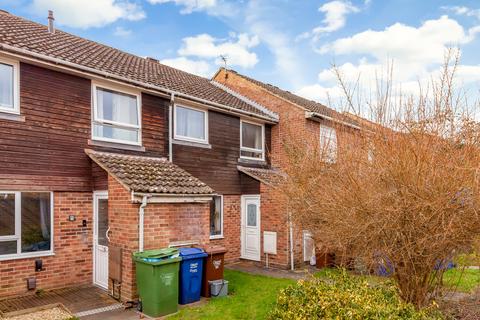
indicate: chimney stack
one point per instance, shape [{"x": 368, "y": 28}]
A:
[{"x": 51, "y": 19}]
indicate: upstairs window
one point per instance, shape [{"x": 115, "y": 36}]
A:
[
  {"x": 328, "y": 144},
  {"x": 191, "y": 124},
  {"x": 9, "y": 87},
  {"x": 252, "y": 141},
  {"x": 116, "y": 116},
  {"x": 25, "y": 224},
  {"x": 216, "y": 217}
]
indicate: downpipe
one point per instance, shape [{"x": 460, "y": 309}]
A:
[{"x": 141, "y": 219}]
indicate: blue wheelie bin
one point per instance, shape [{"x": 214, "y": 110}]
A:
[{"x": 191, "y": 271}]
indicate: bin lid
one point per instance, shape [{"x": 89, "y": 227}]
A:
[
  {"x": 191, "y": 253},
  {"x": 157, "y": 257},
  {"x": 214, "y": 249}
]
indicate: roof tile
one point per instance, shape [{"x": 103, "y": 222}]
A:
[
  {"x": 33, "y": 37},
  {"x": 149, "y": 174}
]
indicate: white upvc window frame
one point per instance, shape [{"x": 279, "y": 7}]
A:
[
  {"x": 18, "y": 229},
  {"x": 95, "y": 120},
  {"x": 219, "y": 236},
  {"x": 185, "y": 138},
  {"x": 242, "y": 148},
  {"x": 331, "y": 129},
  {"x": 16, "y": 86}
]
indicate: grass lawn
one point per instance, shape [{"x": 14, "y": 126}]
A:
[
  {"x": 250, "y": 297},
  {"x": 462, "y": 280}
]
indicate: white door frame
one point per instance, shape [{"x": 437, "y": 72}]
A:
[
  {"x": 96, "y": 196},
  {"x": 244, "y": 198}
]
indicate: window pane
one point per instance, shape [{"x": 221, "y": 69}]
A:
[
  {"x": 109, "y": 132},
  {"x": 190, "y": 123},
  {"x": 6, "y": 86},
  {"x": 216, "y": 216},
  {"x": 251, "y": 154},
  {"x": 328, "y": 143},
  {"x": 8, "y": 247},
  {"x": 251, "y": 215},
  {"x": 251, "y": 136},
  {"x": 7, "y": 214},
  {"x": 116, "y": 106},
  {"x": 102, "y": 222},
  {"x": 36, "y": 226}
]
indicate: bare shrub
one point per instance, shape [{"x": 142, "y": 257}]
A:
[{"x": 404, "y": 189}]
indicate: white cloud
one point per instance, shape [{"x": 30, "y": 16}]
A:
[
  {"x": 319, "y": 93},
  {"x": 413, "y": 53},
  {"x": 236, "y": 49},
  {"x": 189, "y": 6},
  {"x": 122, "y": 32},
  {"x": 198, "y": 67},
  {"x": 335, "y": 17},
  {"x": 463, "y": 11},
  {"x": 422, "y": 45},
  {"x": 87, "y": 14}
]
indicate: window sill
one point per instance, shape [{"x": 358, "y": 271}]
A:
[
  {"x": 11, "y": 116},
  {"x": 192, "y": 144},
  {"x": 26, "y": 256},
  {"x": 252, "y": 161},
  {"x": 115, "y": 145},
  {"x": 219, "y": 237}
]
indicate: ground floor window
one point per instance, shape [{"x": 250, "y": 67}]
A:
[
  {"x": 216, "y": 217},
  {"x": 25, "y": 223}
]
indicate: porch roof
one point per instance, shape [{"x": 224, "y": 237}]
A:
[
  {"x": 149, "y": 174},
  {"x": 271, "y": 177}
]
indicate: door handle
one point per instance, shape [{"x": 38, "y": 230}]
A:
[{"x": 106, "y": 234}]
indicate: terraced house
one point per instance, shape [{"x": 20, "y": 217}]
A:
[
  {"x": 104, "y": 153},
  {"x": 301, "y": 121}
]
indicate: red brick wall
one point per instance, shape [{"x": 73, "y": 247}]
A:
[
  {"x": 163, "y": 223},
  {"x": 72, "y": 262},
  {"x": 274, "y": 218},
  {"x": 166, "y": 223},
  {"x": 231, "y": 228}
]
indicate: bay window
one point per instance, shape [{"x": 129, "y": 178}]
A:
[
  {"x": 328, "y": 144},
  {"x": 25, "y": 224},
  {"x": 9, "y": 100},
  {"x": 116, "y": 116},
  {"x": 216, "y": 217},
  {"x": 252, "y": 141},
  {"x": 191, "y": 124}
]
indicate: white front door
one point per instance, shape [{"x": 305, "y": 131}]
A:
[
  {"x": 100, "y": 239},
  {"x": 251, "y": 227}
]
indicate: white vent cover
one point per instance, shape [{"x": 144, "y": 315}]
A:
[{"x": 270, "y": 242}]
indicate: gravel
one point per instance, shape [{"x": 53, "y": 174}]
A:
[{"x": 49, "y": 314}]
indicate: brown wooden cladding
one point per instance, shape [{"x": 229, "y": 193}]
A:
[
  {"x": 46, "y": 152},
  {"x": 217, "y": 166}
]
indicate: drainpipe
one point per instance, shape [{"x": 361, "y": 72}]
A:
[
  {"x": 141, "y": 216},
  {"x": 170, "y": 122},
  {"x": 292, "y": 263}
]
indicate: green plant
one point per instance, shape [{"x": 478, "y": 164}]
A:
[{"x": 341, "y": 296}]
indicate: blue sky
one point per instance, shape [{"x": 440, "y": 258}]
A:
[{"x": 291, "y": 44}]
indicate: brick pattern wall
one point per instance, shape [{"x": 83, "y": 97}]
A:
[
  {"x": 163, "y": 223},
  {"x": 166, "y": 223},
  {"x": 274, "y": 218},
  {"x": 72, "y": 262},
  {"x": 292, "y": 128},
  {"x": 231, "y": 228}
]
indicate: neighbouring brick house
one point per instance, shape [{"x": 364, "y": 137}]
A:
[
  {"x": 300, "y": 120},
  {"x": 103, "y": 151}
]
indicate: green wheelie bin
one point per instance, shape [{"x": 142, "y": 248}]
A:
[{"x": 157, "y": 280}]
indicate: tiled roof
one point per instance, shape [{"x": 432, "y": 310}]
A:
[
  {"x": 309, "y": 105},
  {"x": 270, "y": 177},
  {"x": 148, "y": 174},
  {"x": 34, "y": 38}
]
